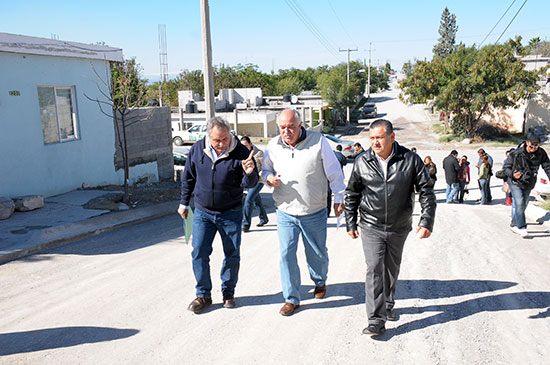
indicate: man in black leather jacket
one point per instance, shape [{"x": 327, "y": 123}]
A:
[
  {"x": 381, "y": 189},
  {"x": 521, "y": 168}
]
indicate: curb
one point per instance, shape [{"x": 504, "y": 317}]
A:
[{"x": 68, "y": 233}]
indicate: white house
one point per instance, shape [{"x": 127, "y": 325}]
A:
[{"x": 52, "y": 138}]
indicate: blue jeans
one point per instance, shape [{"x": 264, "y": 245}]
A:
[
  {"x": 313, "y": 228},
  {"x": 205, "y": 226},
  {"x": 451, "y": 193},
  {"x": 484, "y": 186},
  {"x": 520, "y": 199},
  {"x": 253, "y": 198}
]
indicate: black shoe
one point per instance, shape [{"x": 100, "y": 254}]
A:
[
  {"x": 199, "y": 304},
  {"x": 261, "y": 224},
  {"x": 246, "y": 229},
  {"x": 229, "y": 301},
  {"x": 375, "y": 329},
  {"x": 391, "y": 315}
]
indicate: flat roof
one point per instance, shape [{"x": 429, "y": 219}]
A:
[{"x": 16, "y": 43}]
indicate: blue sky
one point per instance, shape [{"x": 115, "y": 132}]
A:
[{"x": 268, "y": 33}]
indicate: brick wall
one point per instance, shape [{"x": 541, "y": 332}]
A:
[{"x": 149, "y": 139}]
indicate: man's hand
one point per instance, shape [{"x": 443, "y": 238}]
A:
[
  {"x": 338, "y": 209},
  {"x": 183, "y": 212},
  {"x": 517, "y": 174},
  {"x": 248, "y": 164},
  {"x": 423, "y": 232},
  {"x": 273, "y": 181},
  {"x": 353, "y": 234}
]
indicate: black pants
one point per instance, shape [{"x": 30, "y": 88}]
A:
[{"x": 383, "y": 252}]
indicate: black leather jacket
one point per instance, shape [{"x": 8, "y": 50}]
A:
[
  {"x": 528, "y": 163},
  {"x": 387, "y": 204}
]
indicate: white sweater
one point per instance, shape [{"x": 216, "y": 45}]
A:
[{"x": 304, "y": 171}]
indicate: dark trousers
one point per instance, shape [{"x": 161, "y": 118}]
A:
[{"x": 383, "y": 252}]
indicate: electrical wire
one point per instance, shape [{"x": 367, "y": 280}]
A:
[
  {"x": 491, "y": 31},
  {"x": 341, "y": 24},
  {"x": 311, "y": 27},
  {"x": 511, "y": 21}
]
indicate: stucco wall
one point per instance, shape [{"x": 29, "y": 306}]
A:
[{"x": 27, "y": 165}]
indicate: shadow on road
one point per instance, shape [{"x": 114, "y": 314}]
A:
[{"x": 52, "y": 338}]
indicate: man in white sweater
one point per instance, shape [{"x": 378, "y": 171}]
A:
[{"x": 298, "y": 164}]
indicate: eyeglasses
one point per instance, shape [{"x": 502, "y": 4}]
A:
[{"x": 533, "y": 146}]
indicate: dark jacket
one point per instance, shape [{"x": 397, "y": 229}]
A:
[
  {"x": 528, "y": 163},
  {"x": 341, "y": 158},
  {"x": 387, "y": 204},
  {"x": 216, "y": 187},
  {"x": 451, "y": 167}
]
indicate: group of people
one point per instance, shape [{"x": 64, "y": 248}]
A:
[
  {"x": 519, "y": 172},
  {"x": 457, "y": 176},
  {"x": 297, "y": 164}
]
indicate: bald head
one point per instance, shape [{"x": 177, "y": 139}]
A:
[{"x": 289, "y": 125}]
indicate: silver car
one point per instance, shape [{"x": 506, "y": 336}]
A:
[{"x": 347, "y": 146}]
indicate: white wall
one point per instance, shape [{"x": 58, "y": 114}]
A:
[{"x": 27, "y": 165}]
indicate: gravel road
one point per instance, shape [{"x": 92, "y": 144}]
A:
[{"x": 472, "y": 293}]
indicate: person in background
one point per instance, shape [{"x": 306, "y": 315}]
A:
[
  {"x": 522, "y": 167},
  {"x": 483, "y": 178},
  {"x": 481, "y": 152},
  {"x": 508, "y": 194},
  {"x": 343, "y": 161},
  {"x": 358, "y": 149},
  {"x": 413, "y": 149},
  {"x": 218, "y": 167},
  {"x": 253, "y": 195},
  {"x": 451, "y": 167},
  {"x": 463, "y": 177},
  {"x": 432, "y": 169}
]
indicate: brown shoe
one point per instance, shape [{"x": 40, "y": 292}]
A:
[
  {"x": 229, "y": 301},
  {"x": 320, "y": 291},
  {"x": 288, "y": 309},
  {"x": 199, "y": 304}
]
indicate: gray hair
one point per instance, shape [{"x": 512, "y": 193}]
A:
[
  {"x": 386, "y": 124},
  {"x": 217, "y": 122},
  {"x": 296, "y": 116}
]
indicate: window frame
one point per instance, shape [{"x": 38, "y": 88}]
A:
[{"x": 74, "y": 115}]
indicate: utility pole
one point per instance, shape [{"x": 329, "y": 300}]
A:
[
  {"x": 347, "y": 109},
  {"x": 207, "y": 61},
  {"x": 368, "y": 77}
]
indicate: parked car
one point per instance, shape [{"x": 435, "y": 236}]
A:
[
  {"x": 542, "y": 187},
  {"x": 180, "y": 155},
  {"x": 347, "y": 146},
  {"x": 369, "y": 110},
  {"x": 191, "y": 135}
]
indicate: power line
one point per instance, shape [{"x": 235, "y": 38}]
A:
[
  {"x": 341, "y": 24},
  {"x": 311, "y": 27},
  {"x": 511, "y": 21},
  {"x": 491, "y": 31}
]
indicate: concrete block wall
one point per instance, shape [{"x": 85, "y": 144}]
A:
[{"x": 149, "y": 140}]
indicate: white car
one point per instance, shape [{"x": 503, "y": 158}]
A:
[
  {"x": 191, "y": 135},
  {"x": 347, "y": 146},
  {"x": 542, "y": 187}
]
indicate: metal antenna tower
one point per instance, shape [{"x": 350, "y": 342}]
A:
[{"x": 163, "y": 57}]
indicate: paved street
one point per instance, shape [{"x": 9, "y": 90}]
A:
[{"x": 472, "y": 293}]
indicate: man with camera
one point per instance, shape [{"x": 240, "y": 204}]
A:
[{"x": 521, "y": 168}]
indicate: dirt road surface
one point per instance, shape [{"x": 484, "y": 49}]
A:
[{"x": 473, "y": 293}]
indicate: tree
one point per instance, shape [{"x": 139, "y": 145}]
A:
[
  {"x": 469, "y": 82},
  {"x": 288, "y": 85},
  {"x": 123, "y": 91},
  {"x": 447, "y": 32}
]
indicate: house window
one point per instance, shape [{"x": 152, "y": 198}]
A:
[{"x": 58, "y": 113}]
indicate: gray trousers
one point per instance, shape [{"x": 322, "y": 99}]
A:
[{"x": 383, "y": 252}]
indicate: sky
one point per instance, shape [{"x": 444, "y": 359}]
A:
[{"x": 274, "y": 34}]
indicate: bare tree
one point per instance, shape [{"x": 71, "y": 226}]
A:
[{"x": 122, "y": 93}]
